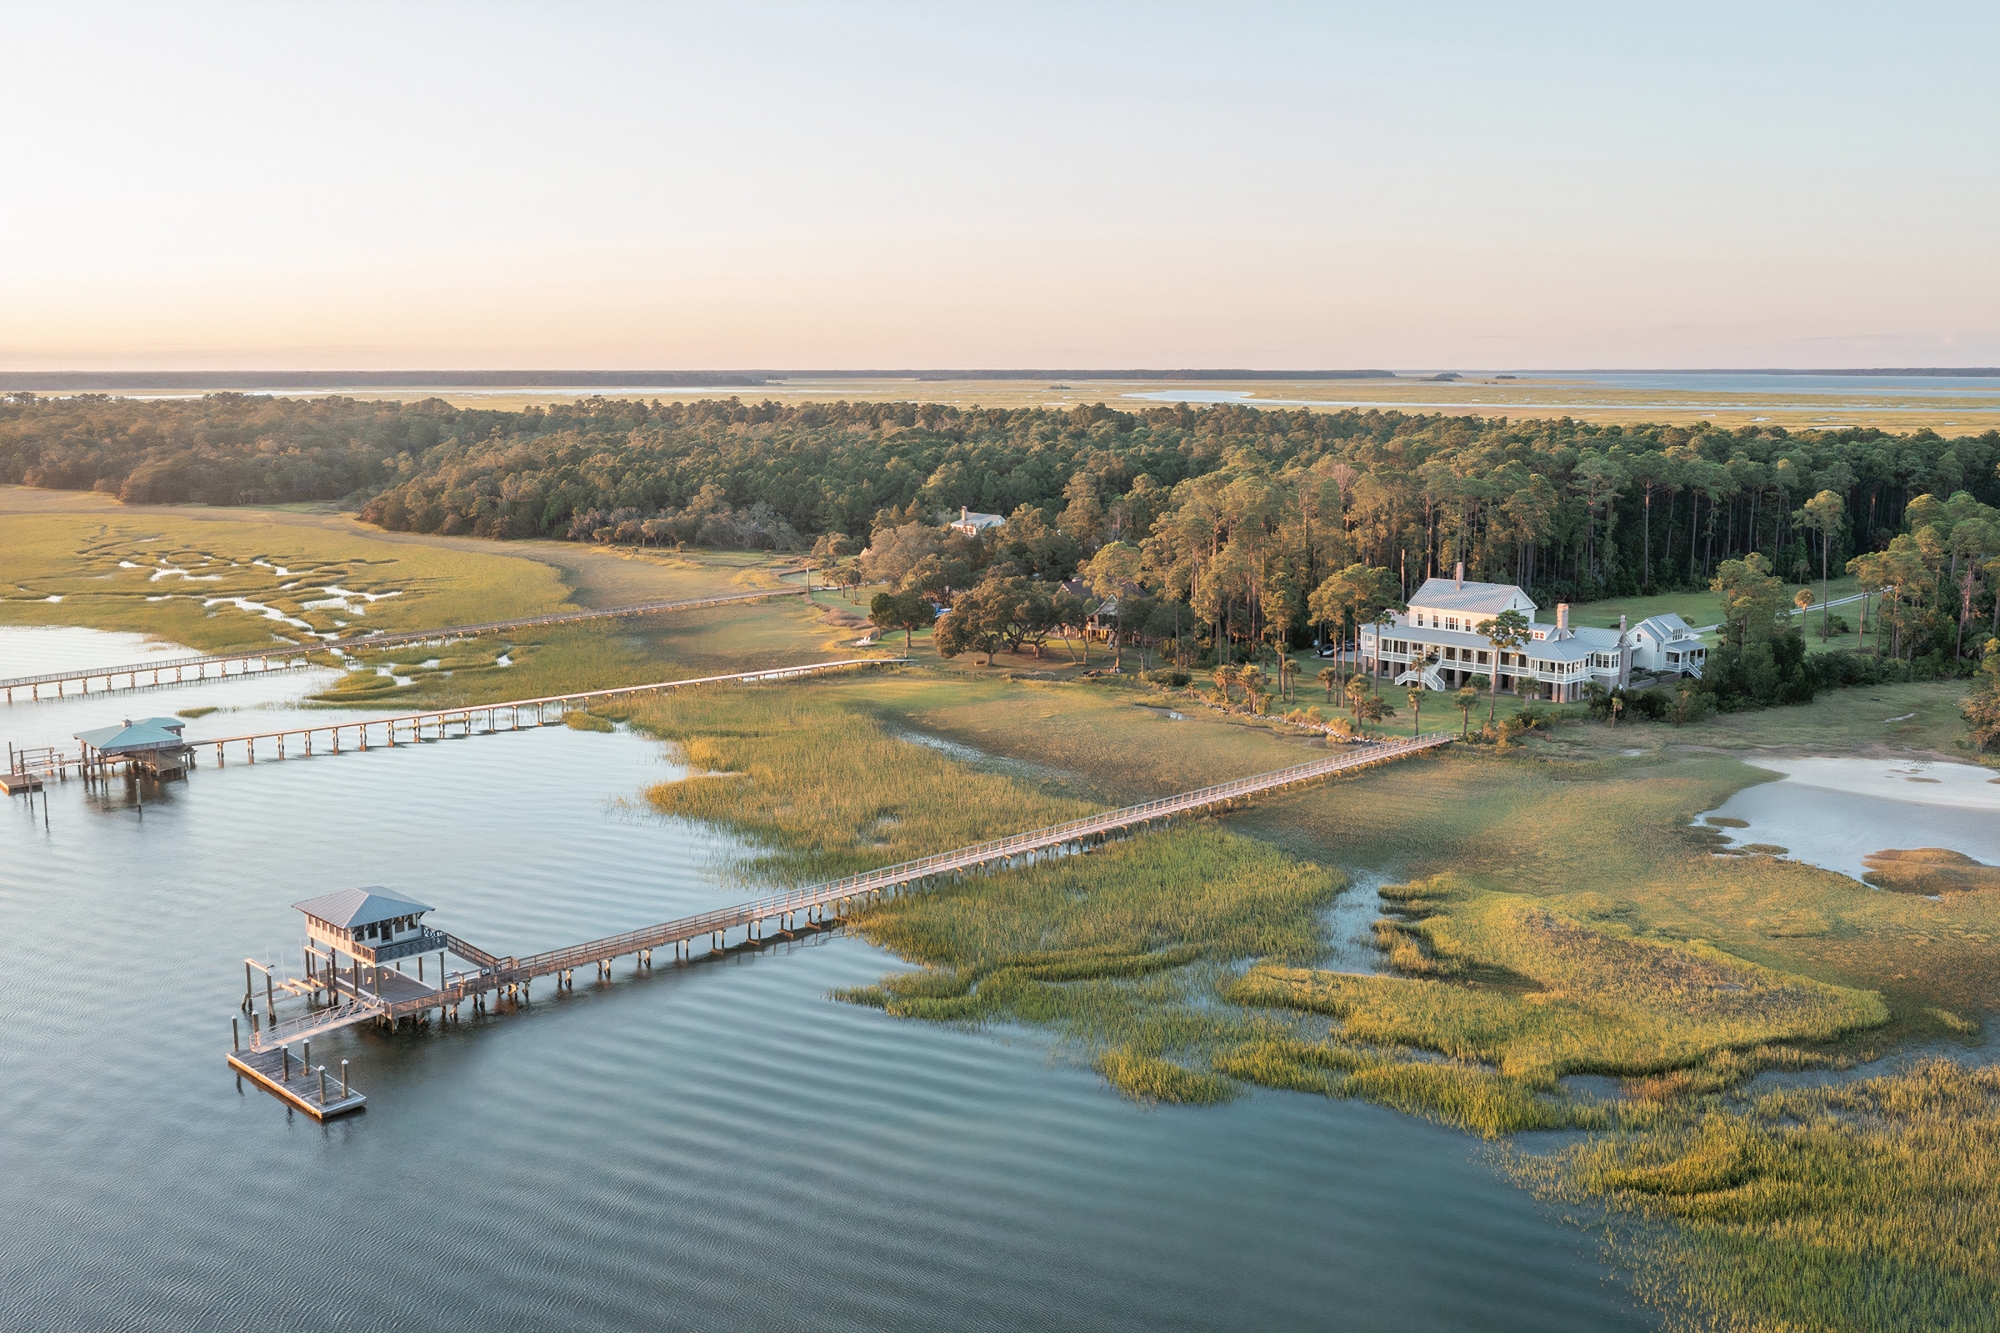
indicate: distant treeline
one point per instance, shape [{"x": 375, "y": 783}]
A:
[{"x": 1570, "y": 509}]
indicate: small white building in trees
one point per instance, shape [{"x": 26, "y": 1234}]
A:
[
  {"x": 972, "y": 524},
  {"x": 1441, "y": 642}
]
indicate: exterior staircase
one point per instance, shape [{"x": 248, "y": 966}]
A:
[{"x": 1428, "y": 675}]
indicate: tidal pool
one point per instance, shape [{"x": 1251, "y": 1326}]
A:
[
  {"x": 716, "y": 1146},
  {"x": 1834, "y": 812}
]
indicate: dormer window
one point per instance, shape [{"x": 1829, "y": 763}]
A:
[{"x": 1451, "y": 622}]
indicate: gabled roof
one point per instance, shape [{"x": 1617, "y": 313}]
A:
[
  {"x": 1479, "y": 598},
  {"x": 1664, "y": 627},
  {"x": 358, "y": 907},
  {"x": 129, "y": 737}
]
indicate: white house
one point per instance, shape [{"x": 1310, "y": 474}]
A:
[
  {"x": 1441, "y": 642},
  {"x": 1663, "y": 644},
  {"x": 972, "y": 524}
]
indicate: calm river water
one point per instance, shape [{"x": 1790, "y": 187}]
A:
[{"x": 709, "y": 1147}]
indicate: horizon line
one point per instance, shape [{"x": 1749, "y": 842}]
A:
[{"x": 31, "y": 380}]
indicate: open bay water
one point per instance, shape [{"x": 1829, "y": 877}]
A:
[{"x": 717, "y": 1146}]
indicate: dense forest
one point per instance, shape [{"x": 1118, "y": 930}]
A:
[{"x": 1241, "y": 514}]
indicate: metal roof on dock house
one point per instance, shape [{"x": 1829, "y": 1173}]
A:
[
  {"x": 129, "y": 737},
  {"x": 349, "y": 908}
]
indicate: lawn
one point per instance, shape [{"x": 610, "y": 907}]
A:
[{"x": 1697, "y": 608}]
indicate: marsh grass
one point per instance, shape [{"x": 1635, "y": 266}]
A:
[
  {"x": 77, "y": 556},
  {"x": 1874, "y": 1204},
  {"x": 823, "y": 788},
  {"x": 1539, "y": 995},
  {"x": 1148, "y": 1078},
  {"x": 1929, "y": 871}
]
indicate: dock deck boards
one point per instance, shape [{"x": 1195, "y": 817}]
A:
[{"x": 266, "y": 1068}]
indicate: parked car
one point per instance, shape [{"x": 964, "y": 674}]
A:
[{"x": 1335, "y": 649}]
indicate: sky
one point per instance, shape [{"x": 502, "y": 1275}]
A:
[{"x": 573, "y": 185}]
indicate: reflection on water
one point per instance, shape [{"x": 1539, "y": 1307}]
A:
[
  {"x": 1834, "y": 812},
  {"x": 713, "y": 1147},
  {"x": 1350, "y": 926}
]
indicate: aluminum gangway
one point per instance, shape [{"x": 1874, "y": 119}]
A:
[{"x": 277, "y": 657}]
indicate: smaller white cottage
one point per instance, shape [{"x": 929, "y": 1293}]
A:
[{"x": 1667, "y": 645}]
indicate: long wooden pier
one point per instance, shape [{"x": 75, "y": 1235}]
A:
[
  {"x": 488, "y": 719},
  {"x": 388, "y": 996},
  {"x": 175, "y": 671}
]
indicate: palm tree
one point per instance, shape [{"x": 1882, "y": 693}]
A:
[
  {"x": 1467, "y": 699},
  {"x": 1225, "y": 676},
  {"x": 1803, "y": 600},
  {"x": 1254, "y": 681},
  {"x": 1329, "y": 676},
  {"x": 1505, "y": 632},
  {"x": 1416, "y": 709},
  {"x": 1357, "y": 690}
]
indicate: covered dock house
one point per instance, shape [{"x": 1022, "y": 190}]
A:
[
  {"x": 369, "y": 924},
  {"x": 151, "y": 745}
]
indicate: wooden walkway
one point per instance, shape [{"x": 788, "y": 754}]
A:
[
  {"x": 806, "y": 910},
  {"x": 278, "y": 658},
  {"x": 488, "y": 719}
]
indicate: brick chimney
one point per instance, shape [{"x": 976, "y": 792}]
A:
[
  {"x": 1458, "y": 573},
  {"x": 1562, "y": 616}
]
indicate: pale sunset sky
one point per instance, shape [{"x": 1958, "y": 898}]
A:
[{"x": 422, "y": 186}]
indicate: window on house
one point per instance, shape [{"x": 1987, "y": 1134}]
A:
[
  {"x": 1482, "y": 659},
  {"x": 1451, "y": 622}
]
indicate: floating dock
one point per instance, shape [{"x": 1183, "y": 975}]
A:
[{"x": 320, "y": 1093}]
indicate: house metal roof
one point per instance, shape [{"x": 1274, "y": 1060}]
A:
[
  {"x": 129, "y": 737},
  {"x": 1478, "y": 598},
  {"x": 359, "y": 907},
  {"x": 1664, "y": 627},
  {"x": 1580, "y": 643}
]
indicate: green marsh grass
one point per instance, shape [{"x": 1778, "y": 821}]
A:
[
  {"x": 1874, "y": 1204},
  {"x": 77, "y": 556},
  {"x": 1540, "y": 995}
]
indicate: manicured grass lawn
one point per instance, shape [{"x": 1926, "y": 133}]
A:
[{"x": 1698, "y": 608}]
